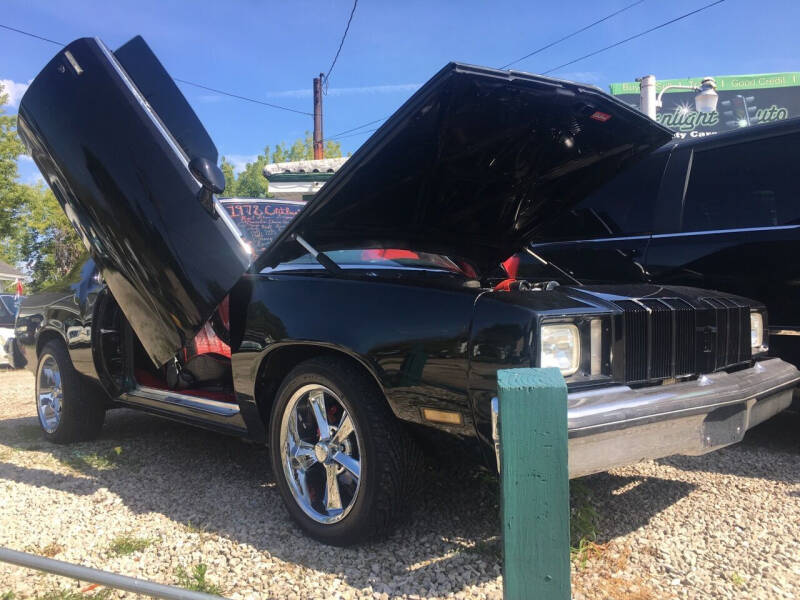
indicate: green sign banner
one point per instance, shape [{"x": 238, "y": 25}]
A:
[{"x": 744, "y": 100}]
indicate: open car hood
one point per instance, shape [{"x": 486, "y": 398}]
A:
[{"x": 470, "y": 165}]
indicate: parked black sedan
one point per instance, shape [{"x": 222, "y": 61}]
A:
[{"x": 380, "y": 312}]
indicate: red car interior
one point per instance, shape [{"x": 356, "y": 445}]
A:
[{"x": 511, "y": 265}]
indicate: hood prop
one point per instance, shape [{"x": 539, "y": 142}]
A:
[
  {"x": 553, "y": 265},
  {"x": 321, "y": 257}
]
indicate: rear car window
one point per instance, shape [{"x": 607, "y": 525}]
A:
[
  {"x": 752, "y": 184},
  {"x": 623, "y": 206},
  {"x": 9, "y": 303},
  {"x": 6, "y": 316},
  {"x": 261, "y": 220}
]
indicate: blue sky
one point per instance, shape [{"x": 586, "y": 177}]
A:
[{"x": 272, "y": 50}]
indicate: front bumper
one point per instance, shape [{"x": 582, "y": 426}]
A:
[{"x": 611, "y": 427}]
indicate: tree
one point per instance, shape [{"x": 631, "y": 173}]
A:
[
  {"x": 10, "y": 148},
  {"x": 303, "y": 149},
  {"x": 251, "y": 183},
  {"x": 34, "y": 231},
  {"x": 230, "y": 177}
]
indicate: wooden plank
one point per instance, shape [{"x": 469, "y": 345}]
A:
[{"x": 534, "y": 484}]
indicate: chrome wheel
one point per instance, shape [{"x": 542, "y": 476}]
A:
[
  {"x": 321, "y": 453},
  {"x": 49, "y": 393}
]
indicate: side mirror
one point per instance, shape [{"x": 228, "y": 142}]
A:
[{"x": 211, "y": 178}]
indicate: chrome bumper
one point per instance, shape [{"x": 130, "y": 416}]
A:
[{"x": 616, "y": 426}]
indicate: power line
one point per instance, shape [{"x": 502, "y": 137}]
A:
[
  {"x": 341, "y": 43},
  {"x": 359, "y": 127},
  {"x": 573, "y": 34},
  {"x": 633, "y": 37},
  {"x": 210, "y": 89},
  {"x": 341, "y": 137},
  {"x": 33, "y": 35},
  {"x": 245, "y": 98}
]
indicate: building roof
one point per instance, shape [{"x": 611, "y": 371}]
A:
[
  {"x": 9, "y": 273},
  {"x": 324, "y": 166}
]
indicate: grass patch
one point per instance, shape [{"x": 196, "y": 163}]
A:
[
  {"x": 196, "y": 528},
  {"x": 87, "y": 462},
  {"x": 196, "y": 580},
  {"x": 52, "y": 549},
  {"x": 8, "y": 596},
  {"x": 62, "y": 594},
  {"x": 737, "y": 579},
  {"x": 125, "y": 544},
  {"x": 582, "y": 524}
]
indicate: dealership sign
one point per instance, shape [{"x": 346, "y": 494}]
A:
[{"x": 743, "y": 100}]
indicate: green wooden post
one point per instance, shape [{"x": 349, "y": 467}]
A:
[{"x": 534, "y": 482}]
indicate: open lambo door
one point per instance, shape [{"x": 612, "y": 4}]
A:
[{"x": 135, "y": 172}]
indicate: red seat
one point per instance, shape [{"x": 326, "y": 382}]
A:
[
  {"x": 511, "y": 265},
  {"x": 207, "y": 341}
]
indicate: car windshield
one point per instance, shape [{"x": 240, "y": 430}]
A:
[{"x": 389, "y": 258}]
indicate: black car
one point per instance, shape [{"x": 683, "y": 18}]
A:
[
  {"x": 380, "y": 313},
  {"x": 720, "y": 212}
]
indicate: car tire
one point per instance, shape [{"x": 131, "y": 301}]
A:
[
  {"x": 68, "y": 409},
  {"x": 388, "y": 461}
]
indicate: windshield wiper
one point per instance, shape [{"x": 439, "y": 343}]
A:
[{"x": 321, "y": 257}]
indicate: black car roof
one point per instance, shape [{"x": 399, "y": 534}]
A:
[{"x": 736, "y": 135}]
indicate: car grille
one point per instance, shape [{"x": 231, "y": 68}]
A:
[{"x": 668, "y": 337}]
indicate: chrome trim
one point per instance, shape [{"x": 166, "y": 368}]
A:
[
  {"x": 233, "y": 200},
  {"x": 623, "y": 408},
  {"x": 690, "y": 417},
  {"x": 73, "y": 62},
  {"x": 604, "y": 239},
  {"x": 173, "y": 143},
  {"x": 318, "y": 471},
  {"x": 665, "y": 235},
  {"x": 196, "y": 403},
  {"x": 49, "y": 393},
  {"x": 783, "y": 331},
  {"x": 617, "y": 426},
  {"x": 232, "y": 227},
  {"x": 154, "y": 118},
  {"x": 496, "y": 429},
  {"x": 721, "y": 231}
]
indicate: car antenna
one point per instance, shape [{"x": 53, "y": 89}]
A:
[
  {"x": 553, "y": 265},
  {"x": 321, "y": 257}
]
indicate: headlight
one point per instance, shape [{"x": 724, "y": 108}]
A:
[
  {"x": 561, "y": 347},
  {"x": 757, "y": 332}
]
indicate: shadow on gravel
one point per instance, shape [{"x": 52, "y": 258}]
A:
[
  {"x": 624, "y": 504},
  {"x": 770, "y": 451},
  {"x": 214, "y": 484}
]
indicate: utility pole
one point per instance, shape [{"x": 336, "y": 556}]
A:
[{"x": 318, "y": 150}]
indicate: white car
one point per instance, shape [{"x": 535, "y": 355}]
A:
[{"x": 8, "y": 311}]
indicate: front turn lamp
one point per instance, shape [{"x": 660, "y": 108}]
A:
[
  {"x": 561, "y": 348},
  {"x": 757, "y": 332}
]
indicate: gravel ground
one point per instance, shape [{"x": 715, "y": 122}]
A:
[{"x": 726, "y": 525}]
